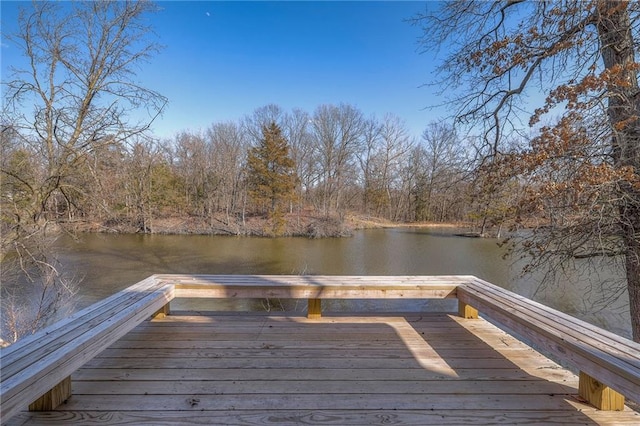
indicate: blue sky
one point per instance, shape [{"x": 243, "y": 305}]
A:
[{"x": 222, "y": 60}]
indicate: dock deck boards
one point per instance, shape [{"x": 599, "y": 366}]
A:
[{"x": 257, "y": 369}]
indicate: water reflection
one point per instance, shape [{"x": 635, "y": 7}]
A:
[{"x": 110, "y": 263}]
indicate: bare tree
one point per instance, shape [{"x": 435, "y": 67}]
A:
[
  {"x": 581, "y": 55},
  {"x": 74, "y": 96},
  {"x": 371, "y": 137},
  {"x": 191, "y": 163},
  {"x": 396, "y": 145},
  {"x": 228, "y": 146},
  {"x": 384, "y": 153},
  {"x": 261, "y": 117},
  {"x": 338, "y": 132},
  {"x": 152, "y": 188},
  {"x": 443, "y": 159},
  {"x": 296, "y": 129},
  {"x": 81, "y": 80}
]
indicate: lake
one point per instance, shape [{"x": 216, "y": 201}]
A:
[{"x": 109, "y": 263}]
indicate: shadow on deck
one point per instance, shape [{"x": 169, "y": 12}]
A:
[{"x": 257, "y": 369}]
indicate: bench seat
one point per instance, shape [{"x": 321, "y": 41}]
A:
[
  {"x": 596, "y": 353},
  {"x": 46, "y": 359},
  {"x": 315, "y": 287}
]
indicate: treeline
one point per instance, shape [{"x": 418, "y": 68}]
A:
[{"x": 342, "y": 161}]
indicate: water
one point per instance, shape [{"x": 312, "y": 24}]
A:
[{"x": 109, "y": 263}]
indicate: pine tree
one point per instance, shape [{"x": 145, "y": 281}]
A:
[{"x": 271, "y": 173}]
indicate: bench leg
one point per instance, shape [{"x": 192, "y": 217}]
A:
[
  {"x": 162, "y": 312},
  {"x": 314, "y": 309},
  {"x": 56, "y": 396},
  {"x": 467, "y": 311},
  {"x": 600, "y": 396}
]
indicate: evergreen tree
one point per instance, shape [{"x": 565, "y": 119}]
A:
[{"x": 271, "y": 172}]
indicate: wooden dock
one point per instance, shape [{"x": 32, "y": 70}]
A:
[
  {"x": 259, "y": 369},
  {"x": 129, "y": 360}
]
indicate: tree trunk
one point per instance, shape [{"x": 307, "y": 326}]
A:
[
  {"x": 632, "y": 259},
  {"x": 617, "y": 47}
]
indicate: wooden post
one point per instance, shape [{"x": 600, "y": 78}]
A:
[
  {"x": 162, "y": 312},
  {"x": 314, "y": 309},
  {"x": 56, "y": 396},
  {"x": 467, "y": 311},
  {"x": 600, "y": 396}
]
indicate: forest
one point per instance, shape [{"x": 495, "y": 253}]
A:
[{"x": 341, "y": 163}]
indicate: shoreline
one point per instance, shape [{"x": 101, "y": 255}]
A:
[{"x": 307, "y": 226}]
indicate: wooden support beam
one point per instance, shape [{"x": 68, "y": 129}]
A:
[
  {"x": 600, "y": 396},
  {"x": 467, "y": 311},
  {"x": 56, "y": 396},
  {"x": 162, "y": 312},
  {"x": 314, "y": 310}
]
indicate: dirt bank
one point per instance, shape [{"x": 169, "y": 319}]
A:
[{"x": 293, "y": 225}]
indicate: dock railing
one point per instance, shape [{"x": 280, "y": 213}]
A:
[{"x": 36, "y": 371}]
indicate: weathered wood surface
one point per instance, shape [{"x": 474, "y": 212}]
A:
[
  {"x": 44, "y": 360},
  {"x": 355, "y": 363},
  {"x": 265, "y": 369},
  {"x": 315, "y": 287},
  {"x": 611, "y": 359}
]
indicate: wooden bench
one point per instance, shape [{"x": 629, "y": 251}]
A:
[
  {"x": 46, "y": 359},
  {"x": 315, "y": 288},
  {"x": 609, "y": 365}
]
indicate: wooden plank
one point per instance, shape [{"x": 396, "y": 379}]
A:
[
  {"x": 234, "y": 417},
  {"x": 230, "y": 318},
  {"x": 22, "y": 368},
  {"x": 401, "y": 344},
  {"x": 52, "y": 340},
  {"x": 317, "y": 402},
  {"x": 403, "y": 347},
  {"x": 268, "y": 350},
  {"x": 346, "y": 385},
  {"x": 541, "y": 367},
  {"x": 309, "y": 374},
  {"x": 314, "y": 287},
  {"x": 330, "y": 363},
  {"x": 305, "y": 292},
  {"x": 313, "y": 279},
  {"x": 283, "y": 343}
]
